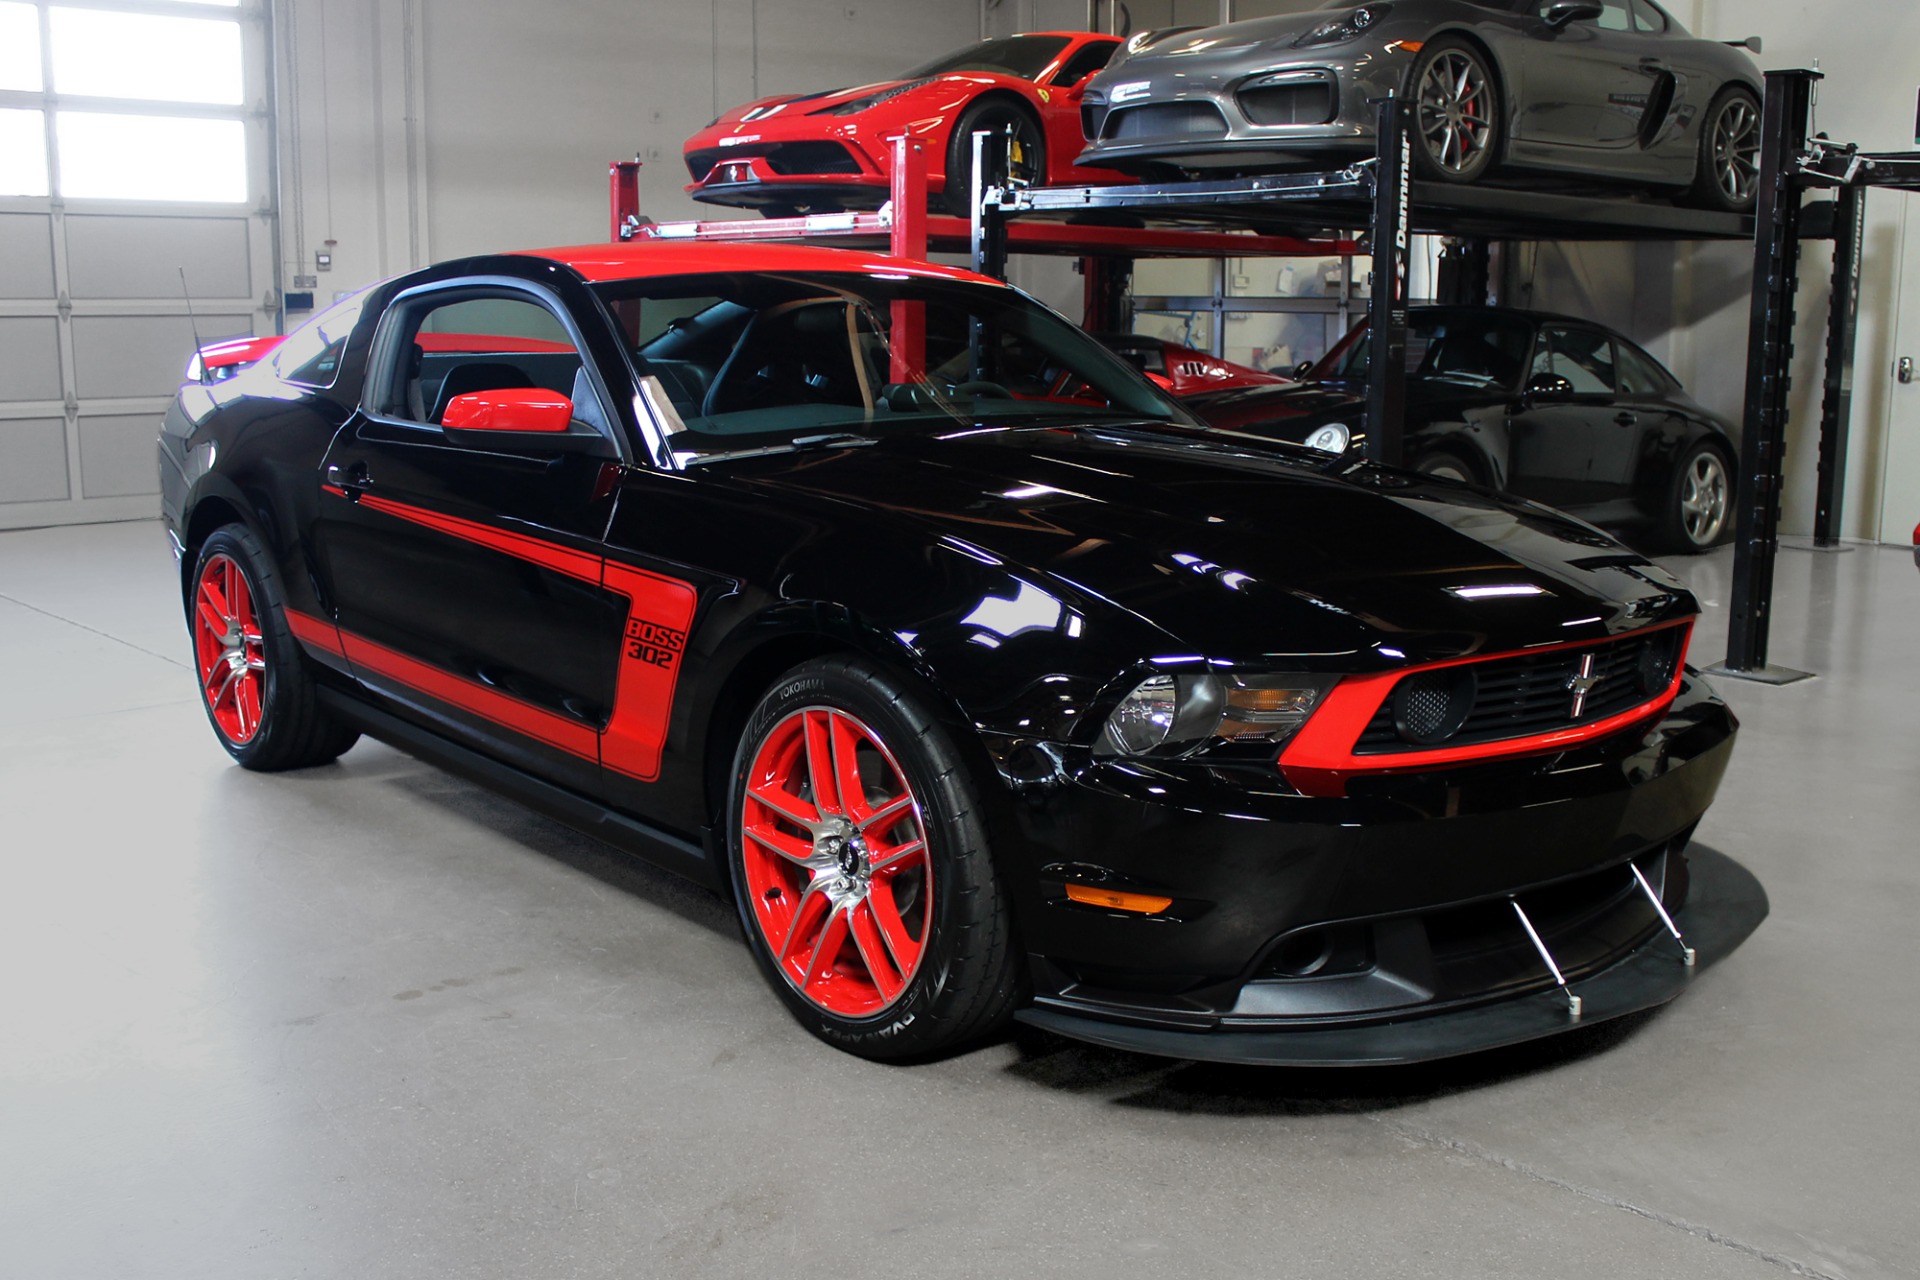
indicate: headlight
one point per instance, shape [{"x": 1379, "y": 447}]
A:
[
  {"x": 1344, "y": 27},
  {"x": 857, "y": 105},
  {"x": 1332, "y": 438},
  {"x": 1171, "y": 715}
]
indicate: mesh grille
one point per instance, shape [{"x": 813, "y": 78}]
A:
[
  {"x": 1308, "y": 103},
  {"x": 1166, "y": 120},
  {"x": 1521, "y": 696}
]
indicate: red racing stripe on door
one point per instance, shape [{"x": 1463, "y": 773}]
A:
[
  {"x": 315, "y": 633},
  {"x": 659, "y": 612},
  {"x": 470, "y": 695}
]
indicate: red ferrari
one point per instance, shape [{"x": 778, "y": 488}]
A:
[
  {"x": 815, "y": 152},
  {"x": 1182, "y": 371}
]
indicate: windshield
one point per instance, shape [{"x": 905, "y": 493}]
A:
[
  {"x": 1463, "y": 350},
  {"x": 741, "y": 361},
  {"x": 1022, "y": 56}
]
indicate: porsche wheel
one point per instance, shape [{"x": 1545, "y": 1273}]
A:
[
  {"x": 1728, "y": 175},
  {"x": 1446, "y": 465},
  {"x": 1026, "y": 159},
  {"x": 860, "y": 867},
  {"x": 1699, "y": 507},
  {"x": 1456, "y": 113},
  {"x": 254, "y": 684}
]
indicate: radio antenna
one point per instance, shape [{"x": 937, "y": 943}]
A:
[{"x": 192, "y": 323}]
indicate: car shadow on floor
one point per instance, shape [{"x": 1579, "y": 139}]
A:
[{"x": 1726, "y": 903}]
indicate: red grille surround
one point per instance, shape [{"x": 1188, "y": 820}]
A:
[{"x": 1330, "y": 745}]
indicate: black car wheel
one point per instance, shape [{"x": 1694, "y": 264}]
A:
[
  {"x": 1699, "y": 510},
  {"x": 1456, "y": 112},
  {"x": 1026, "y": 151},
  {"x": 1728, "y": 176},
  {"x": 860, "y": 866},
  {"x": 254, "y": 683}
]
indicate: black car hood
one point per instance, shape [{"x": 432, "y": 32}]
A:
[{"x": 1243, "y": 553}]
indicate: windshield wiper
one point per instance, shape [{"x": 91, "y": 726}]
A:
[{"x": 832, "y": 439}]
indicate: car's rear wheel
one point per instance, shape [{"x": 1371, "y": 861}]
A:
[
  {"x": 1446, "y": 465},
  {"x": 861, "y": 869},
  {"x": 1026, "y": 151},
  {"x": 254, "y": 683},
  {"x": 1699, "y": 507},
  {"x": 1456, "y": 112},
  {"x": 1728, "y": 174}
]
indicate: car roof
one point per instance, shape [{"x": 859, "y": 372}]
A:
[
  {"x": 646, "y": 259},
  {"x": 1521, "y": 313}
]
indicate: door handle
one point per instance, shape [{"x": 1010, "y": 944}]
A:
[
  {"x": 351, "y": 478},
  {"x": 1904, "y": 369},
  {"x": 1624, "y": 419}
]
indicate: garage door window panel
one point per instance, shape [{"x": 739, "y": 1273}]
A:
[
  {"x": 19, "y": 48},
  {"x": 108, "y": 54},
  {"x": 23, "y": 153}
]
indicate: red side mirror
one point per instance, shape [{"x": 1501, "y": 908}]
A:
[
  {"x": 1161, "y": 381},
  {"x": 509, "y": 409}
]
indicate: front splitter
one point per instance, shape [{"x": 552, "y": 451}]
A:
[{"x": 1725, "y": 905}]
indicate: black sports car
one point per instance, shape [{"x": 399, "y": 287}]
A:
[
  {"x": 983, "y": 679},
  {"x": 1562, "y": 411},
  {"x": 1608, "y": 89}
]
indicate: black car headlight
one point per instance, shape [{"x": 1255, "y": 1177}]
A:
[
  {"x": 1345, "y": 27},
  {"x": 855, "y": 106},
  {"x": 1174, "y": 714}
]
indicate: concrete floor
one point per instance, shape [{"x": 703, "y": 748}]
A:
[{"x": 371, "y": 1021}]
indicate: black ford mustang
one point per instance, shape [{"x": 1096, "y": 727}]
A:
[
  {"x": 1562, "y": 411},
  {"x": 983, "y": 679}
]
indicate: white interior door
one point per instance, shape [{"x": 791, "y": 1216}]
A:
[{"x": 1900, "y": 484}]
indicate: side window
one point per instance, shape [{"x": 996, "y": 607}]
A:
[
  {"x": 311, "y": 354},
  {"x": 1089, "y": 58},
  {"x": 1648, "y": 18},
  {"x": 464, "y": 341},
  {"x": 1614, "y": 16},
  {"x": 1639, "y": 375},
  {"x": 1583, "y": 357}
]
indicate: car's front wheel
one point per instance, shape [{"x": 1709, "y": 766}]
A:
[
  {"x": 1456, "y": 112},
  {"x": 254, "y": 683},
  {"x": 860, "y": 866},
  {"x": 1026, "y": 151}
]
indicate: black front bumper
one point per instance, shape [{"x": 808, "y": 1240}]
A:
[
  {"x": 1726, "y": 905},
  {"x": 1376, "y": 925}
]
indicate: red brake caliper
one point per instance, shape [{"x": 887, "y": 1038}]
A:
[
  {"x": 228, "y": 649},
  {"x": 837, "y": 868}
]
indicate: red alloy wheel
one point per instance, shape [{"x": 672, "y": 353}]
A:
[
  {"x": 836, "y": 860},
  {"x": 229, "y": 649}
]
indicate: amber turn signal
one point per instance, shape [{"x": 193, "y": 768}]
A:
[{"x": 1094, "y": 896}]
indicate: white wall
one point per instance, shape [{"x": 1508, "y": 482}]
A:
[
  {"x": 420, "y": 130},
  {"x": 1689, "y": 304}
]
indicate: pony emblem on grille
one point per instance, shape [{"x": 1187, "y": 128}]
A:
[{"x": 1582, "y": 684}]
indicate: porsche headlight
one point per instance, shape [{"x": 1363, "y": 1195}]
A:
[
  {"x": 1331, "y": 438},
  {"x": 1345, "y": 27},
  {"x": 1175, "y": 714}
]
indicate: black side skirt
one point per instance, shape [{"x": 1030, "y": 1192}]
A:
[{"x": 672, "y": 852}]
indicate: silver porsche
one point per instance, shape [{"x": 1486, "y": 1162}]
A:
[{"x": 1615, "y": 90}]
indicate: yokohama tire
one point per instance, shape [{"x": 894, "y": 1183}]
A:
[
  {"x": 878, "y": 920},
  {"x": 254, "y": 682}
]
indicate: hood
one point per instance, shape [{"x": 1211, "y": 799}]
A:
[
  {"x": 1245, "y": 553},
  {"x": 1229, "y": 42}
]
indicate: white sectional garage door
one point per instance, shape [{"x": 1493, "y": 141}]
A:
[{"x": 104, "y": 199}]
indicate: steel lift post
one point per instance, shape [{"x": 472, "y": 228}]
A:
[{"x": 1776, "y": 275}]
